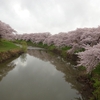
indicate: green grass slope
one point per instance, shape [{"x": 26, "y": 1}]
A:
[{"x": 7, "y": 45}]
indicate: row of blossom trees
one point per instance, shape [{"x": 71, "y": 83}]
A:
[
  {"x": 87, "y": 38},
  {"x": 33, "y": 37}
]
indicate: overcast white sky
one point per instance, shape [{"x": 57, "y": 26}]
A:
[{"x": 54, "y": 16}]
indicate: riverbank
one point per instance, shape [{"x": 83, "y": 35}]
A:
[
  {"x": 8, "y": 50},
  {"x": 90, "y": 81},
  {"x": 8, "y": 54}
]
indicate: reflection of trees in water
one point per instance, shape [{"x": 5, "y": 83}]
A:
[
  {"x": 70, "y": 73},
  {"x": 79, "y": 98},
  {"x": 5, "y": 68},
  {"x": 9, "y": 65},
  {"x": 68, "y": 70},
  {"x": 23, "y": 57}
]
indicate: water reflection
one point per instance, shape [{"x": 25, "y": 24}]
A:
[
  {"x": 70, "y": 73},
  {"x": 39, "y": 75},
  {"x": 23, "y": 57},
  {"x": 5, "y": 68}
]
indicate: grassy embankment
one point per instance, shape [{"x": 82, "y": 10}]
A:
[
  {"x": 9, "y": 49},
  {"x": 95, "y": 79},
  {"x": 6, "y": 46}
]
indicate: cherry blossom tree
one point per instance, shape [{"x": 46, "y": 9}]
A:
[
  {"x": 90, "y": 58},
  {"x": 33, "y": 37},
  {"x": 39, "y": 37},
  {"x": 5, "y": 30}
]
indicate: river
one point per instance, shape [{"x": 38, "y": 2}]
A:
[{"x": 39, "y": 75}]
